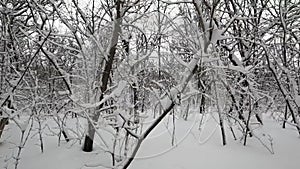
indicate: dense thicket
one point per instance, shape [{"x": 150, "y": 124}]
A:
[{"x": 117, "y": 63}]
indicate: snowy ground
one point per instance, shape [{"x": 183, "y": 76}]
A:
[{"x": 193, "y": 149}]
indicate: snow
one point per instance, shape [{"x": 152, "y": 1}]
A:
[
  {"x": 190, "y": 154},
  {"x": 236, "y": 60},
  {"x": 217, "y": 35},
  {"x": 193, "y": 149},
  {"x": 115, "y": 93},
  {"x": 22, "y": 124},
  {"x": 66, "y": 92},
  {"x": 238, "y": 68},
  {"x": 297, "y": 99}
]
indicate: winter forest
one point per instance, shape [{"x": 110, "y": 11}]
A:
[{"x": 142, "y": 84}]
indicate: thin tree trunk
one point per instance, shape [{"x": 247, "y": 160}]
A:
[
  {"x": 221, "y": 123},
  {"x": 285, "y": 116},
  {"x": 248, "y": 121}
]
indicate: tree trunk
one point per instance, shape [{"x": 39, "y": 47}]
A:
[
  {"x": 3, "y": 122},
  {"x": 89, "y": 138},
  {"x": 221, "y": 121}
]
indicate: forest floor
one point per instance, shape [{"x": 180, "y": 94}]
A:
[{"x": 193, "y": 148}]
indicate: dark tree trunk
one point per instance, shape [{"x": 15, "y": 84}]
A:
[
  {"x": 3, "y": 122},
  {"x": 285, "y": 117},
  {"x": 89, "y": 139},
  {"x": 88, "y": 142}
]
